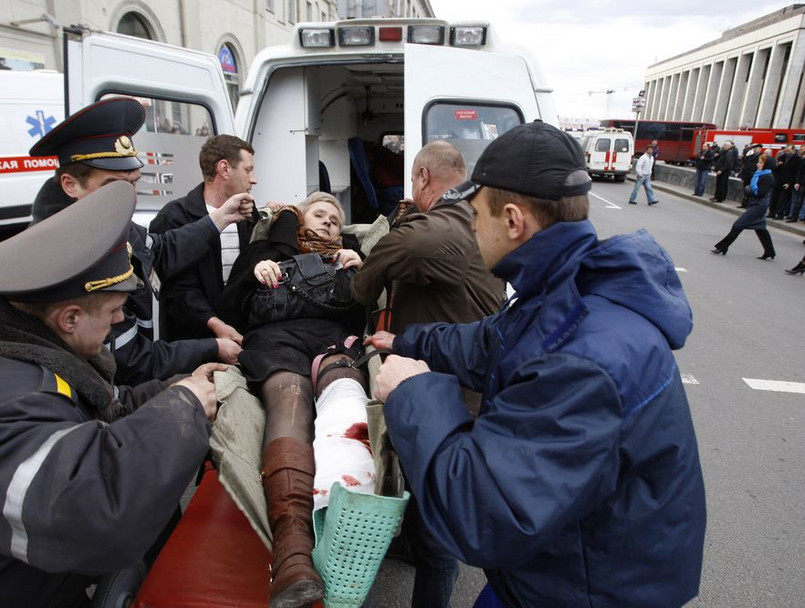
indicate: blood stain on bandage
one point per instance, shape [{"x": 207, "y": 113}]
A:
[
  {"x": 349, "y": 480},
  {"x": 359, "y": 432}
]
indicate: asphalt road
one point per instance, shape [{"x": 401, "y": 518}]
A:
[{"x": 748, "y": 318}]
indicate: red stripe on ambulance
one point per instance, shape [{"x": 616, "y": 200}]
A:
[{"x": 23, "y": 164}]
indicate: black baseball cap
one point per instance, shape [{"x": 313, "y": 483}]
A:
[
  {"x": 534, "y": 159},
  {"x": 80, "y": 250},
  {"x": 98, "y": 136}
]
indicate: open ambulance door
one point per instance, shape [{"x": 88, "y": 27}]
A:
[
  {"x": 184, "y": 95},
  {"x": 466, "y": 97}
]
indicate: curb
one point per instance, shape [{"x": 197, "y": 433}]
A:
[{"x": 728, "y": 206}]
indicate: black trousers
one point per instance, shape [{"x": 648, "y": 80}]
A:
[
  {"x": 762, "y": 234},
  {"x": 722, "y": 180}
]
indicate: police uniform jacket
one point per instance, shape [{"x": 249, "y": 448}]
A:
[
  {"x": 138, "y": 356},
  {"x": 89, "y": 475},
  {"x": 579, "y": 484},
  {"x": 186, "y": 301}
]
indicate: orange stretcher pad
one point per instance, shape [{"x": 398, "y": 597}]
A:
[{"x": 213, "y": 558}]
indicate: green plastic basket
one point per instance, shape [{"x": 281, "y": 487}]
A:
[{"x": 352, "y": 536}]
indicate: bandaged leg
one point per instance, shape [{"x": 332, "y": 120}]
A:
[{"x": 341, "y": 443}]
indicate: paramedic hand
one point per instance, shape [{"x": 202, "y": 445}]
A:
[
  {"x": 235, "y": 209},
  {"x": 381, "y": 339},
  {"x": 393, "y": 371},
  {"x": 348, "y": 258},
  {"x": 268, "y": 273},
  {"x": 204, "y": 390},
  {"x": 228, "y": 350},
  {"x": 224, "y": 330}
]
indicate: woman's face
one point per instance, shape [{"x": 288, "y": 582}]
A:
[{"x": 323, "y": 219}]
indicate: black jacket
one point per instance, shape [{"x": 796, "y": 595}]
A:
[
  {"x": 89, "y": 475},
  {"x": 186, "y": 300}
]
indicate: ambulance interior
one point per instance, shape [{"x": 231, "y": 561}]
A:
[{"x": 342, "y": 127}]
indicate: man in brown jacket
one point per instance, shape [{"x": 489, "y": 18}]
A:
[{"x": 432, "y": 269}]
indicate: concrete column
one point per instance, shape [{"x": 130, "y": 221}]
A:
[
  {"x": 701, "y": 93},
  {"x": 737, "y": 98},
  {"x": 757, "y": 76},
  {"x": 665, "y": 89},
  {"x": 771, "y": 88},
  {"x": 690, "y": 94},
  {"x": 681, "y": 95},
  {"x": 654, "y": 100},
  {"x": 668, "y": 111},
  {"x": 799, "y": 109},
  {"x": 713, "y": 83},
  {"x": 784, "y": 117},
  {"x": 724, "y": 92}
]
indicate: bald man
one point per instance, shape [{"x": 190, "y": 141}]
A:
[{"x": 432, "y": 269}]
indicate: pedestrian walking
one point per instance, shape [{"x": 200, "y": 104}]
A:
[{"x": 643, "y": 170}]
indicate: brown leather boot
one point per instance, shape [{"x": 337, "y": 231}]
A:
[{"x": 288, "y": 469}]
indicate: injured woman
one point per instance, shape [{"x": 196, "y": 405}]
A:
[{"x": 295, "y": 349}]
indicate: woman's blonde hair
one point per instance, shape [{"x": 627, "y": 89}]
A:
[{"x": 323, "y": 197}]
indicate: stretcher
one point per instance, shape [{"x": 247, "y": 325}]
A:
[{"x": 213, "y": 558}]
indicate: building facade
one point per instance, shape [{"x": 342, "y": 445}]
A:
[
  {"x": 751, "y": 77},
  {"x": 234, "y": 30}
]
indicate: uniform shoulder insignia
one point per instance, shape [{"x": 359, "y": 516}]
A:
[{"x": 53, "y": 383}]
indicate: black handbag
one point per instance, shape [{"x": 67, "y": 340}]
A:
[{"x": 310, "y": 287}]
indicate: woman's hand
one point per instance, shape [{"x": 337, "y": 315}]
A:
[
  {"x": 349, "y": 258},
  {"x": 268, "y": 273}
]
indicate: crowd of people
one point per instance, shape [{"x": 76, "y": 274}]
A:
[
  {"x": 774, "y": 188},
  {"x": 546, "y": 438}
]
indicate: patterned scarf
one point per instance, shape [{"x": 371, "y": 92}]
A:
[{"x": 310, "y": 241}]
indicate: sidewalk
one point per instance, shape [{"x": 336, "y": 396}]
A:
[{"x": 729, "y": 206}]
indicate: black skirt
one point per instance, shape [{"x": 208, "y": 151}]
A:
[{"x": 289, "y": 345}]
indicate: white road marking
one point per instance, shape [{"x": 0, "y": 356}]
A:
[
  {"x": 681, "y": 269},
  {"x": 610, "y": 204},
  {"x": 778, "y": 386},
  {"x": 688, "y": 379}
]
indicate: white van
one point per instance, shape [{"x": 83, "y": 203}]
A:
[
  {"x": 608, "y": 152},
  {"x": 31, "y": 104},
  {"x": 318, "y": 110}
]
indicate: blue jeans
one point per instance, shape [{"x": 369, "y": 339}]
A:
[
  {"x": 701, "y": 181},
  {"x": 645, "y": 181}
]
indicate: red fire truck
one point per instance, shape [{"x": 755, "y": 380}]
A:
[{"x": 776, "y": 139}]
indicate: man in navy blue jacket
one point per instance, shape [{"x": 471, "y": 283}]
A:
[{"x": 579, "y": 484}]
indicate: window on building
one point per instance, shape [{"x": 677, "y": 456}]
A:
[
  {"x": 134, "y": 24},
  {"x": 270, "y": 5},
  {"x": 229, "y": 65},
  {"x": 309, "y": 14},
  {"x": 290, "y": 11}
]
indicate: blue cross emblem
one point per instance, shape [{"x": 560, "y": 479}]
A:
[{"x": 40, "y": 124}]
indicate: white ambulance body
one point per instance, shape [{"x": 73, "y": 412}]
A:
[
  {"x": 31, "y": 104},
  {"x": 608, "y": 152},
  {"x": 313, "y": 108}
]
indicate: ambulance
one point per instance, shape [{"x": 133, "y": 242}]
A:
[
  {"x": 608, "y": 153},
  {"x": 323, "y": 112},
  {"x": 32, "y": 103}
]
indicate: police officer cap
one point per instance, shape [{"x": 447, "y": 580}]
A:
[
  {"x": 534, "y": 159},
  {"x": 98, "y": 136},
  {"x": 77, "y": 251}
]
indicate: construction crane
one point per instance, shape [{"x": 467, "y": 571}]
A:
[{"x": 608, "y": 93}]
